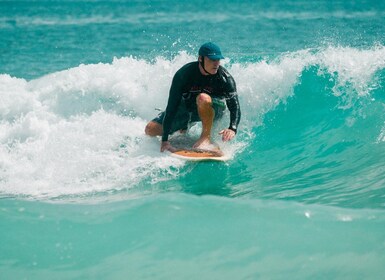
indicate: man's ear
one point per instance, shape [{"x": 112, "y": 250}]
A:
[{"x": 200, "y": 58}]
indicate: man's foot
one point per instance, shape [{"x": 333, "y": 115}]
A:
[{"x": 204, "y": 144}]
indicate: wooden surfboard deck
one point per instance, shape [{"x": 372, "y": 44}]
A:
[{"x": 200, "y": 155}]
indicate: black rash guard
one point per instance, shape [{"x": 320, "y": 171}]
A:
[{"x": 188, "y": 82}]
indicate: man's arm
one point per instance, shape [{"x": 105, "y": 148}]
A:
[
  {"x": 235, "y": 111},
  {"x": 174, "y": 99},
  {"x": 232, "y": 102},
  {"x": 235, "y": 117}
]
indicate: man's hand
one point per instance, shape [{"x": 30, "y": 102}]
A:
[
  {"x": 227, "y": 134},
  {"x": 166, "y": 146}
]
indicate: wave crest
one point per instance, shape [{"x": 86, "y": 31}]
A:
[{"x": 81, "y": 130}]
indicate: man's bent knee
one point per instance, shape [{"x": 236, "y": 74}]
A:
[
  {"x": 153, "y": 129},
  {"x": 203, "y": 99}
]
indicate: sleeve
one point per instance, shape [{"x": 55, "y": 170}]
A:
[
  {"x": 174, "y": 99},
  {"x": 232, "y": 103},
  {"x": 235, "y": 112}
]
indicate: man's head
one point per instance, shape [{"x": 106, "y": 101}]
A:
[
  {"x": 209, "y": 58},
  {"x": 211, "y": 51}
]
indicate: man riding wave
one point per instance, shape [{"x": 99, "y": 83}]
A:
[{"x": 200, "y": 91}]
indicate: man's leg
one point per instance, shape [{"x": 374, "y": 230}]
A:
[
  {"x": 206, "y": 114},
  {"x": 153, "y": 129}
]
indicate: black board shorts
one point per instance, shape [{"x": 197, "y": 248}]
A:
[{"x": 184, "y": 116}]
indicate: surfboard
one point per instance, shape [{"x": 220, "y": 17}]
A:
[{"x": 200, "y": 155}]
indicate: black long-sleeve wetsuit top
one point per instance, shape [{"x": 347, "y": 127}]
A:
[{"x": 189, "y": 81}]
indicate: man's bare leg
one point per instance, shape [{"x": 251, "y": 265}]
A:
[
  {"x": 156, "y": 129},
  {"x": 206, "y": 114},
  {"x": 153, "y": 129}
]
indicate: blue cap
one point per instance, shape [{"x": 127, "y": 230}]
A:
[{"x": 211, "y": 50}]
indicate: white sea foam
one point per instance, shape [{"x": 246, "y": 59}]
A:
[
  {"x": 353, "y": 68},
  {"x": 82, "y": 130}
]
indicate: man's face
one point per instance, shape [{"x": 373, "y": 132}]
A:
[{"x": 211, "y": 66}]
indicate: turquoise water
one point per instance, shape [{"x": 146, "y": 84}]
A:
[{"x": 84, "y": 194}]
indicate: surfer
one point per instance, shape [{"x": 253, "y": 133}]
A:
[{"x": 200, "y": 91}]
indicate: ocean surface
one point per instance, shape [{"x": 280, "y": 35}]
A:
[{"x": 84, "y": 194}]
